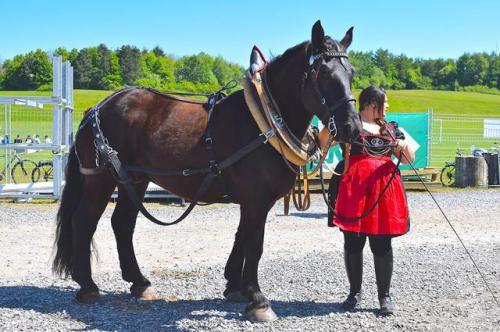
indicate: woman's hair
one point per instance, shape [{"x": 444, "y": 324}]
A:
[{"x": 373, "y": 95}]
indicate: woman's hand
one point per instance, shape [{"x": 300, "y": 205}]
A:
[{"x": 404, "y": 152}]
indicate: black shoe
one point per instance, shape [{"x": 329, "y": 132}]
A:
[
  {"x": 352, "y": 300},
  {"x": 354, "y": 269},
  {"x": 383, "y": 274},
  {"x": 386, "y": 306}
]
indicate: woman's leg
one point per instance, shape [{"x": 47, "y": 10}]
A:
[
  {"x": 353, "y": 258},
  {"x": 383, "y": 259}
]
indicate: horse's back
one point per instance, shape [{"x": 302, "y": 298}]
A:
[{"x": 140, "y": 123}]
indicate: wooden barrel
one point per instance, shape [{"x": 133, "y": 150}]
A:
[
  {"x": 493, "y": 168},
  {"x": 480, "y": 172},
  {"x": 471, "y": 172},
  {"x": 462, "y": 178}
]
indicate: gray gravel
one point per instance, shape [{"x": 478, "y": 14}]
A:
[{"x": 435, "y": 285}]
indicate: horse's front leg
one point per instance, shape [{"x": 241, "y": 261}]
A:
[{"x": 252, "y": 225}]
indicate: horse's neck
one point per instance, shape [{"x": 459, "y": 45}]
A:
[{"x": 285, "y": 86}]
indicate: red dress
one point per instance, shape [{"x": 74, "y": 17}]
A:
[{"x": 369, "y": 171}]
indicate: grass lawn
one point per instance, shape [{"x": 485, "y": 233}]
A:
[{"x": 30, "y": 121}]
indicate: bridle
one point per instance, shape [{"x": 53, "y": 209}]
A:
[{"x": 311, "y": 75}]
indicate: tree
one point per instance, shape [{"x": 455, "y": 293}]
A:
[
  {"x": 493, "y": 78},
  {"x": 196, "y": 69},
  {"x": 158, "y": 51},
  {"x": 363, "y": 66},
  {"x": 2, "y": 76},
  {"x": 164, "y": 67},
  {"x": 417, "y": 81},
  {"x": 225, "y": 71},
  {"x": 107, "y": 75},
  {"x": 130, "y": 64},
  {"x": 472, "y": 69},
  {"x": 385, "y": 61},
  {"x": 446, "y": 77},
  {"x": 403, "y": 68},
  {"x": 28, "y": 72},
  {"x": 84, "y": 70}
]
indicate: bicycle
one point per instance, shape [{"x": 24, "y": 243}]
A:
[
  {"x": 43, "y": 171},
  {"x": 21, "y": 169},
  {"x": 447, "y": 176}
]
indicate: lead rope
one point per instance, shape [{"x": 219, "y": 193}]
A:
[{"x": 453, "y": 228}]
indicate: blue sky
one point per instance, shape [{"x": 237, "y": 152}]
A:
[{"x": 419, "y": 28}]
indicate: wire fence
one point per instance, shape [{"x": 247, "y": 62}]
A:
[{"x": 450, "y": 132}]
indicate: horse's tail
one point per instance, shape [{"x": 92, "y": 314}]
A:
[{"x": 69, "y": 201}]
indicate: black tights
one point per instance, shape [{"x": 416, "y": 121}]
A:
[{"x": 355, "y": 242}]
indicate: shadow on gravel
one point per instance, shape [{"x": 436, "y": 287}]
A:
[
  {"x": 306, "y": 215},
  {"x": 120, "y": 311}
]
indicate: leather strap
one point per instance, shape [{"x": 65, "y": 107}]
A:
[
  {"x": 301, "y": 204},
  {"x": 262, "y": 110},
  {"x": 107, "y": 156}
]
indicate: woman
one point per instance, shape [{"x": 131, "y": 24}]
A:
[{"x": 371, "y": 201}]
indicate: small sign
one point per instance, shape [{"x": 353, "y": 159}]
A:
[
  {"x": 27, "y": 102},
  {"x": 491, "y": 128}
]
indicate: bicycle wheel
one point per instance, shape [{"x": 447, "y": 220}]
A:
[
  {"x": 448, "y": 175},
  {"x": 43, "y": 172},
  {"x": 22, "y": 170}
]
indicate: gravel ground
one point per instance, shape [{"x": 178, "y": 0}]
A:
[{"x": 435, "y": 286}]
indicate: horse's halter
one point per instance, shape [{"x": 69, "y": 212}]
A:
[{"x": 311, "y": 74}]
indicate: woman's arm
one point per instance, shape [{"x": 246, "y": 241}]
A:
[{"x": 408, "y": 155}]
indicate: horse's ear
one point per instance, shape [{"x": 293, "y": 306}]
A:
[
  {"x": 346, "y": 41},
  {"x": 317, "y": 36}
]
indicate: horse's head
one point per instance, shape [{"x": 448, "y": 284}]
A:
[{"x": 326, "y": 90}]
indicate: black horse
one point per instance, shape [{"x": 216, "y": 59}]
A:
[{"x": 152, "y": 130}]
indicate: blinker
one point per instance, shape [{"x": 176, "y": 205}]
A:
[{"x": 311, "y": 60}]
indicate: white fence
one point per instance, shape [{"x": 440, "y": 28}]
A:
[
  {"x": 451, "y": 132},
  {"x": 35, "y": 140}
]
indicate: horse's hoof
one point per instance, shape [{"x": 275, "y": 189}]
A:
[
  {"x": 261, "y": 315},
  {"x": 235, "y": 296},
  {"x": 147, "y": 293},
  {"x": 87, "y": 297}
]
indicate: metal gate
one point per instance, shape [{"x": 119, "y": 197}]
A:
[{"x": 36, "y": 134}]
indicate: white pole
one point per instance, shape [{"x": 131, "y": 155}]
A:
[
  {"x": 429, "y": 137},
  {"x": 57, "y": 92}
]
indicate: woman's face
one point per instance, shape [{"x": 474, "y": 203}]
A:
[{"x": 386, "y": 106}]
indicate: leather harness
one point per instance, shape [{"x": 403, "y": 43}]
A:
[{"x": 270, "y": 123}]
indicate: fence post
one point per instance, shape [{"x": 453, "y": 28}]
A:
[
  {"x": 57, "y": 93},
  {"x": 429, "y": 135}
]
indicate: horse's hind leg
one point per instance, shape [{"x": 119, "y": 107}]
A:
[
  {"x": 98, "y": 190},
  {"x": 123, "y": 222}
]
